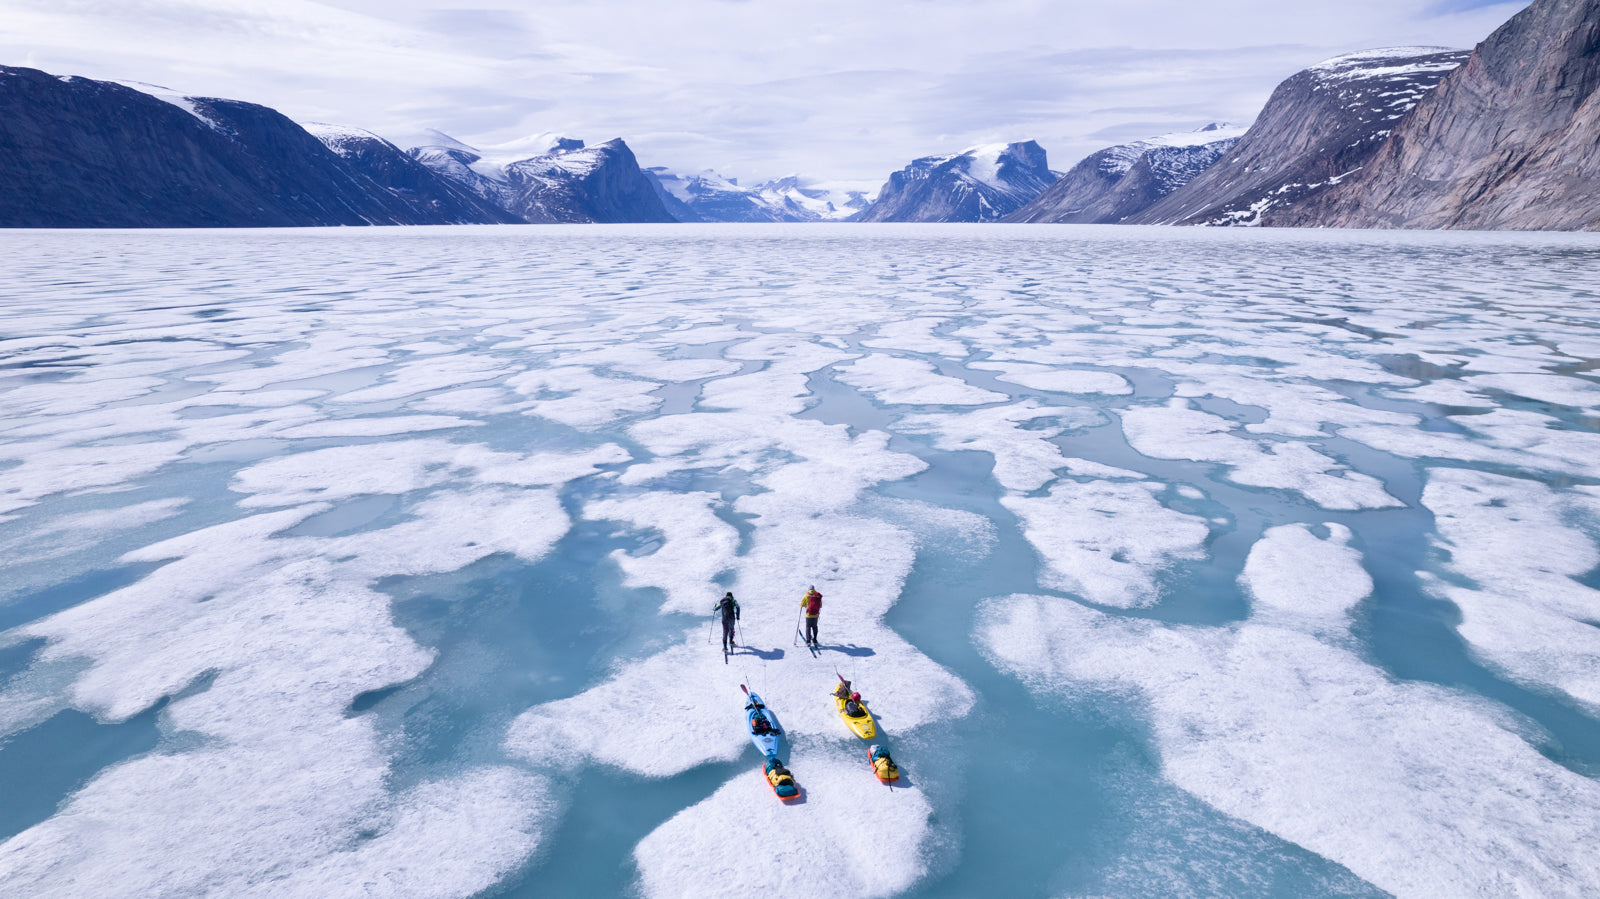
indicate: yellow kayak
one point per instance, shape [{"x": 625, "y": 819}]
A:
[{"x": 861, "y": 726}]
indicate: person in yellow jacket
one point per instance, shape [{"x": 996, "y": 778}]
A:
[{"x": 812, "y": 604}]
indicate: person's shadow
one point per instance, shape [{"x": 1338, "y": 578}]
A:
[
  {"x": 849, "y": 649},
  {"x": 768, "y": 655}
]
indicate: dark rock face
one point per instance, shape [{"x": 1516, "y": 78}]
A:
[
  {"x": 77, "y": 153},
  {"x": 596, "y": 184},
  {"x": 1112, "y": 184},
  {"x": 983, "y": 184},
  {"x": 570, "y": 183},
  {"x": 1318, "y": 128},
  {"x": 407, "y": 180},
  {"x": 1511, "y": 140}
]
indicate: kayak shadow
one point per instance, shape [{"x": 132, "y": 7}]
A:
[
  {"x": 902, "y": 782},
  {"x": 849, "y": 649}
]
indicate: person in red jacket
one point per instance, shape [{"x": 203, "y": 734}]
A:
[{"x": 812, "y": 603}]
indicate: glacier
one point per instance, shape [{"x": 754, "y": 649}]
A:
[{"x": 1172, "y": 562}]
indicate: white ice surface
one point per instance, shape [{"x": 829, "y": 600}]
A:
[
  {"x": 851, "y": 836},
  {"x": 1518, "y": 545},
  {"x": 1105, "y": 541},
  {"x": 907, "y": 381},
  {"x": 71, "y": 533},
  {"x": 576, "y": 396},
  {"x": 1556, "y": 389},
  {"x": 290, "y": 632},
  {"x": 1025, "y": 458},
  {"x": 1177, "y": 431},
  {"x": 915, "y": 335},
  {"x": 696, "y": 547},
  {"x": 1421, "y": 790},
  {"x": 1060, "y": 380}
]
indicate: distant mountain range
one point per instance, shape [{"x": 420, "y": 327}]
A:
[
  {"x": 1504, "y": 136},
  {"x": 709, "y": 197}
]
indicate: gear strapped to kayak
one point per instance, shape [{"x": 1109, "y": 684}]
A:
[
  {"x": 883, "y": 767},
  {"x": 853, "y": 709},
  {"x": 781, "y": 780},
  {"x": 762, "y": 725}
]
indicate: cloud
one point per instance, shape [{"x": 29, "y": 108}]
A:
[{"x": 757, "y": 89}]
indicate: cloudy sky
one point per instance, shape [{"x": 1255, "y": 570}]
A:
[{"x": 836, "y": 90}]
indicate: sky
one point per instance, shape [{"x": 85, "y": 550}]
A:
[{"x": 841, "y": 92}]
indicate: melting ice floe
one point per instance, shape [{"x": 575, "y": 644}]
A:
[
  {"x": 288, "y": 632},
  {"x": 1276, "y": 722},
  {"x": 1177, "y": 431},
  {"x": 1515, "y": 543}
]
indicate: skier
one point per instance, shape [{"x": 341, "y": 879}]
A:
[
  {"x": 729, "y": 607},
  {"x": 812, "y": 603}
]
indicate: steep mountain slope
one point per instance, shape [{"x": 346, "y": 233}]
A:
[
  {"x": 566, "y": 182},
  {"x": 406, "y": 179},
  {"x": 1319, "y": 126},
  {"x": 78, "y": 153},
  {"x": 981, "y": 184},
  {"x": 1509, "y": 141},
  {"x": 1114, "y": 183}
]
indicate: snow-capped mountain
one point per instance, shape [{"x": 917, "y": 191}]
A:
[
  {"x": 1114, "y": 183},
  {"x": 1318, "y": 127},
  {"x": 75, "y": 152},
  {"x": 405, "y": 178},
  {"x": 710, "y": 197},
  {"x": 981, "y": 184},
  {"x": 562, "y": 181},
  {"x": 1511, "y": 140}
]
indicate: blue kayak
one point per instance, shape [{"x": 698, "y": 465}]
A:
[{"x": 768, "y": 738}]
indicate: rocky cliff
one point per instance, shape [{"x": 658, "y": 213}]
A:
[
  {"x": 982, "y": 184},
  {"x": 1511, "y": 140},
  {"x": 1112, "y": 184},
  {"x": 1318, "y": 128},
  {"x": 567, "y": 182},
  {"x": 78, "y": 153}
]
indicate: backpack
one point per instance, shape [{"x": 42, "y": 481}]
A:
[{"x": 813, "y": 604}]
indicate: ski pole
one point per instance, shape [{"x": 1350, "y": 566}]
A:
[{"x": 797, "y": 619}]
